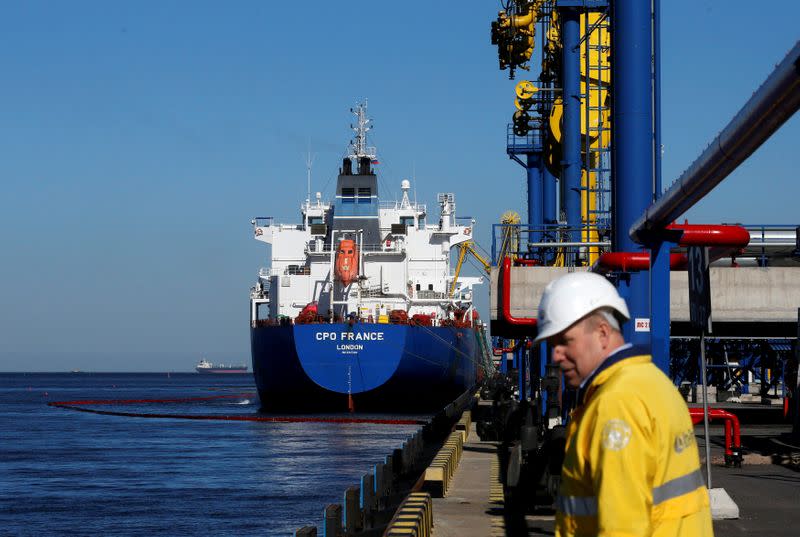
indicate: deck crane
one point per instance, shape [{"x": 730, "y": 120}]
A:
[{"x": 464, "y": 248}]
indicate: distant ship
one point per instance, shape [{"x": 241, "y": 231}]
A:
[
  {"x": 359, "y": 309},
  {"x": 207, "y": 367}
]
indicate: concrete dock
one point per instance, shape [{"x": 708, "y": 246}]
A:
[{"x": 765, "y": 489}]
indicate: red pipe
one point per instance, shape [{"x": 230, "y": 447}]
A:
[
  {"x": 731, "y": 423},
  {"x": 724, "y": 241},
  {"x": 526, "y": 262},
  {"x": 505, "y": 307},
  {"x": 711, "y": 235},
  {"x": 634, "y": 261}
]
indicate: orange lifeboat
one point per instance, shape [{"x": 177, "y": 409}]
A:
[{"x": 347, "y": 262}]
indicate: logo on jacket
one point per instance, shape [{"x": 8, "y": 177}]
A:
[
  {"x": 616, "y": 435},
  {"x": 684, "y": 440}
]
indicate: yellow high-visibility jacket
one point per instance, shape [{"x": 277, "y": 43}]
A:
[{"x": 631, "y": 465}]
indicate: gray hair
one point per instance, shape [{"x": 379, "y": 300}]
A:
[{"x": 607, "y": 314}]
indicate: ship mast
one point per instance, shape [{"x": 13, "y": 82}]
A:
[{"x": 358, "y": 146}]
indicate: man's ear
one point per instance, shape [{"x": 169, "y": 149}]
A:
[{"x": 604, "y": 331}]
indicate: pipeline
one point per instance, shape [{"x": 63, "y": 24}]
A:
[
  {"x": 733, "y": 446},
  {"x": 81, "y": 406},
  {"x": 724, "y": 241},
  {"x": 771, "y": 105},
  {"x": 505, "y": 307}
]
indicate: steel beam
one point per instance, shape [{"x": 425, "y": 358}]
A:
[{"x": 771, "y": 105}]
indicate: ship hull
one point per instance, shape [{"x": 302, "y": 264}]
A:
[{"x": 379, "y": 367}]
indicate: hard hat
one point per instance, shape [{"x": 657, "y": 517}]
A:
[{"x": 573, "y": 296}]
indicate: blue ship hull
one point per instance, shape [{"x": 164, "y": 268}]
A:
[{"x": 384, "y": 367}]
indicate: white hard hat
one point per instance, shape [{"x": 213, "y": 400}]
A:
[{"x": 573, "y": 296}]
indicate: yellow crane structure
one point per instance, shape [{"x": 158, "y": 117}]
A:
[{"x": 464, "y": 248}]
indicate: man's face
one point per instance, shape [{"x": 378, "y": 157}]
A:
[{"x": 577, "y": 351}]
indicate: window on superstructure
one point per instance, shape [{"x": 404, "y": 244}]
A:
[
  {"x": 348, "y": 195},
  {"x": 314, "y": 220},
  {"x": 407, "y": 221},
  {"x": 364, "y": 194}
]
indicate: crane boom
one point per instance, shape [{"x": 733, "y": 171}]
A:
[{"x": 463, "y": 249}]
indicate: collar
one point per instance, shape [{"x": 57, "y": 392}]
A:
[
  {"x": 619, "y": 354},
  {"x": 596, "y": 370}
]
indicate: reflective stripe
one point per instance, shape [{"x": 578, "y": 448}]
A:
[
  {"x": 678, "y": 487},
  {"x": 577, "y": 505}
]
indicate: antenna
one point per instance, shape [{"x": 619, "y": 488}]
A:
[
  {"x": 414, "y": 179},
  {"x": 358, "y": 146},
  {"x": 309, "y": 164}
]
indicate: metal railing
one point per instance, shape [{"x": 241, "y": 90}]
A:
[
  {"x": 549, "y": 245},
  {"x": 395, "y": 246}
]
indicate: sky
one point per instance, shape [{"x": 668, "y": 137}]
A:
[{"x": 139, "y": 139}]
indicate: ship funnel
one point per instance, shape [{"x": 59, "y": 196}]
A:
[{"x": 347, "y": 167}]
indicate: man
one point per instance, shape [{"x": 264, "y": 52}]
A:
[{"x": 631, "y": 465}]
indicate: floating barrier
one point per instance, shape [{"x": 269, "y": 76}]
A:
[{"x": 83, "y": 406}]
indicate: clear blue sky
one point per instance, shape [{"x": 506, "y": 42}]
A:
[{"x": 139, "y": 139}]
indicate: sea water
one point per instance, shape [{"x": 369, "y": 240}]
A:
[{"x": 66, "y": 472}]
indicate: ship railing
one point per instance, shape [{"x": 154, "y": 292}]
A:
[
  {"x": 425, "y": 294},
  {"x": 312, "y": 247},
  {"x": 551, "y": 244},
  {"x": 395, "y": 205}
]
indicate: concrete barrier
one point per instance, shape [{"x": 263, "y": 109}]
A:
[
  {"x": 353, "y": 520},
  {"x": 414, "y": 517},
  {"x": 464, "y": 424},
  {"x": 369, "y": 503},
  {"x": 442, "y": 468},
  {"x": 332, "y": 526},
  {"x": 367, "y": 507}
]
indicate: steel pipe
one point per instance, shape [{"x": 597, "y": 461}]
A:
[
  {"x": 723, "y": 240},
  {"x": 771, "y": 105},
  {"x": 505, "y": 307}
]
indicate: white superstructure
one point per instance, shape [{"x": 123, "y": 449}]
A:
[{"x": 404, "y": 261}]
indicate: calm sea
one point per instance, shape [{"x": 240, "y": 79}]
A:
[{"x": 64, "y": 472}]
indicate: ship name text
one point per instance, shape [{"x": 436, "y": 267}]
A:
[{"x": 349, "y": 336}]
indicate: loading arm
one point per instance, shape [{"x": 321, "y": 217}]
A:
[{"x": 463, "y": 249}]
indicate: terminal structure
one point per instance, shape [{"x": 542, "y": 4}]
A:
[{"x": 586, "y": 129}]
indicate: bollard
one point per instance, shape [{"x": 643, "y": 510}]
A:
[
  {"x": 306, "y": 531},
  {"x": 352, "y": 511},
  {"x": 333, "y": 521}
]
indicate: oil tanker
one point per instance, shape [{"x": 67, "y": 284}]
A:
[{"x": 358, "y": 308}]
